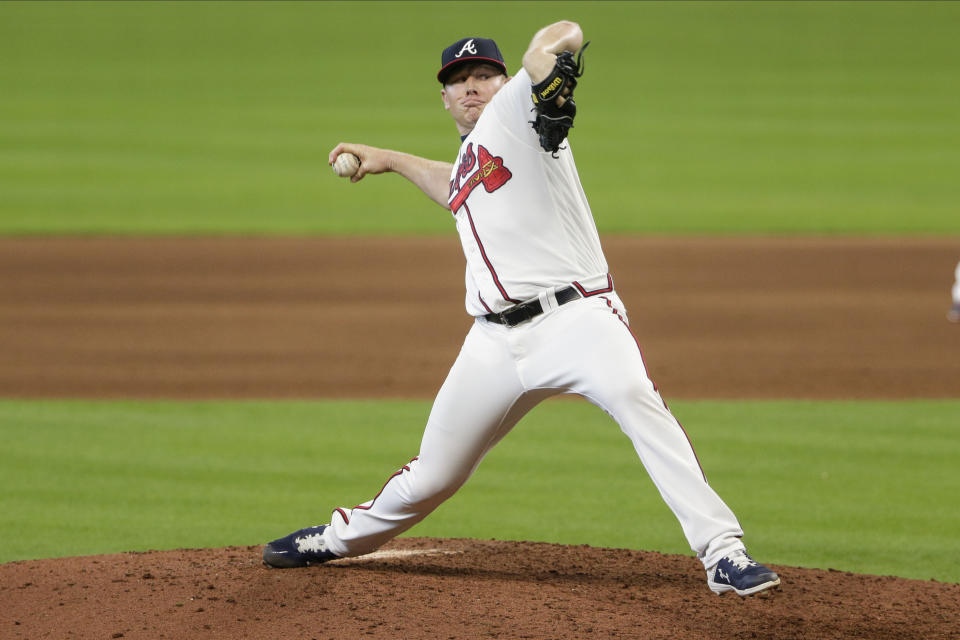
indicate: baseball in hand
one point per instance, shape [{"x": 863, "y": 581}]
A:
[{"x": 346, "y": 165}]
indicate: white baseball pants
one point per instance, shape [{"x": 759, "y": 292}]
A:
[{"x": 584, "y": 347}]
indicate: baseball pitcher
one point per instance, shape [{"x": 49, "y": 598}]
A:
[{"x": 547, "y": 318}]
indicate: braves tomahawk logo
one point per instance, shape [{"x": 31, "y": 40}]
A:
[
  {"x": 468, "y": 47},
  {"x": 490, "y": 172}
]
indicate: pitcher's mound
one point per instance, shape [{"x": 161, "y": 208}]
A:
[{"x": 439, "y": 588}]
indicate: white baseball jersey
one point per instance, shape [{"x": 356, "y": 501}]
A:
[{"x": 522, "y": 215}]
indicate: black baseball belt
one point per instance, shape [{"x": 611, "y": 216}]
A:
[{"x": 529, "y": 310}]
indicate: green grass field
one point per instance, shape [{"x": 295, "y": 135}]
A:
[
  {"x": 720, "y": 117},
  {"x": 216, "y": 118},
  {"x": 861, "y": 486}
]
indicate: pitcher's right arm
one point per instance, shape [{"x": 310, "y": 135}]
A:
[{"x": 430, "y": 176}]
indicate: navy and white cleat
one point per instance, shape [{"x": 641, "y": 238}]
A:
[
  {"x": 299, "y": 549},
  {"x": 741, "y": 574}
]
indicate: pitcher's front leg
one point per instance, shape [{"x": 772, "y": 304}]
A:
[{"x": 613, "y": 375}]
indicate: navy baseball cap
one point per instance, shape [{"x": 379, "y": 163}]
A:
[{"x": 470, "y": 50}]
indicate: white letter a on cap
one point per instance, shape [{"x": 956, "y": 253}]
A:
[{"x": 468, "y": 48}]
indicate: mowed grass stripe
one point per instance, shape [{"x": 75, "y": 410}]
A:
[
  {"x": 859, "y": 486},
  {"x": 734, "y": 117}
]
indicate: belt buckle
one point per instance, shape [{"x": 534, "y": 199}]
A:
[
  {"x": 519, "y": 311},
  {"x": 506, "y": 315}
]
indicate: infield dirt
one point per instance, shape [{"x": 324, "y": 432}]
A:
[
  {"x": 353, "y": 317},
  {"x": 359, "y": 317}
]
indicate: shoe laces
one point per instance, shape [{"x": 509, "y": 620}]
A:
[
  {"x": 741, "y": 560},
  {"x": 314, "y": 542}
]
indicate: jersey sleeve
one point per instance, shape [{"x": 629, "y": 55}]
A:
[{"x": 513, "y": 106}]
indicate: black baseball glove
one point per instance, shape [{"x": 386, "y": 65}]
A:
[{"x": 554, "y": 121}]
